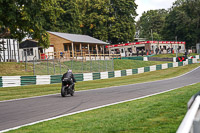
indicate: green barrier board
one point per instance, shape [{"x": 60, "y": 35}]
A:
[
  {"x": 78, "y": 77},
  {"x": 28, "y": 80},
  {"x": 146, "y": 69},
  {"x": 190, "y": 61},
  {"x": 123, "y": 72},
  {"x": 96, "y": 76},
  {"x": 1, "y": 84},
  {"x": 180, "y": 63},
  {"x": 170, "y": 65},
  {"x": 55, "y": 79},
  {"x": 135, "y": 71},
  {"x": 111, "y": 74},
  {"x": 158, "y": 67}
]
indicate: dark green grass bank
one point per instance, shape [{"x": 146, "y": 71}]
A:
[
  {"x": 162, "y": 113},
  {"x": 38, "y": 90}
]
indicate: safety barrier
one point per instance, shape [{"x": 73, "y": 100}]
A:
[
  {"x": 191, "y": 121},
  {"x": 11, "y": 81}
]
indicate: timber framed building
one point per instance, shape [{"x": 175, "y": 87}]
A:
[{"x": 76, "y": 45}]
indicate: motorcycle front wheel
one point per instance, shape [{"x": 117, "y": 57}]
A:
[{"x": 63, "y": 91}]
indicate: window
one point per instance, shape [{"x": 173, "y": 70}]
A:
[
  {"x": 28, "y": 52},
  {"x": 65, "y": 48}
]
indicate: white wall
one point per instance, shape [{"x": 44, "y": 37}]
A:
[
  {"x": 29, "y": 57},
  {"x": 49, "y": 52}
]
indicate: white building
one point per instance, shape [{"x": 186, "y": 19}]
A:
[
  {"x": 29, "y": 51},
  {"x": 147, "y": 46}
]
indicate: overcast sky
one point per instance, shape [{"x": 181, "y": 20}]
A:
[{"x": 145, "y": 5}]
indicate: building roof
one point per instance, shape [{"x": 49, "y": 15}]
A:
[
  {"x": 28, "y": 44},
  {"x": 78, "y": 38}
]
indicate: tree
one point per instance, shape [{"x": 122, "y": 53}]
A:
[
  {"x": 121, "y": 24},
  {"x": 22, "y": 18},
  {"x": 183, "y": 21},
  {"x": 107, "y": 20},
  {"x": 94, "y": 18},
  {"x": 151, "y": 23},
  {"x": 69, "y": 21}
]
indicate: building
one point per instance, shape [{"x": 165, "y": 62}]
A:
[
  {"x": 147, "y": 46},
  {"x": 30, "y": 50},
  {"x": 75, "y": 45}
]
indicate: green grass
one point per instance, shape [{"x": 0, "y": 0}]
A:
[
  {"x": 38, "y": 90},
  {"x": 15, "y": 69},
  {"x": 132, "y": 64},
  {"x": 172, "y": 55},
  {"x": 162, "y": 113}
]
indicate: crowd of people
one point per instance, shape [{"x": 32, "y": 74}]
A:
[{"x": 143, "y": 52}]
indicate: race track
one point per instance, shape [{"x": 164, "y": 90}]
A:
[{"x": 19, "y": 112}]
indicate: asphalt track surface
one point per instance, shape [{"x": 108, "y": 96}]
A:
[{"x": 20, "y": 112}]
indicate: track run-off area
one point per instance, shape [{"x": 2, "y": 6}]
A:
[{"x": 22, "y": 112}]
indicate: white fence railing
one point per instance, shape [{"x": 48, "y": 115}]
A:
[{"x": 191, "y": 121}]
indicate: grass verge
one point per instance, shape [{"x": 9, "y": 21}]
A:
[
  {"x": 15, "y": 69},
  {"x": 162, "y": 113},
  {"x": 132, "y": 64},
  {"x": 38, "y": 90}
]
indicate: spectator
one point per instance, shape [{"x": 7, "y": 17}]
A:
[
  {"x": 130, "y": 52},
  {"x": 156, "y": 50}
]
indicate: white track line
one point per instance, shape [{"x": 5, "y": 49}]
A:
[
  {"x": 14, "y": 128},
  {"x": 100, "y": 88}
]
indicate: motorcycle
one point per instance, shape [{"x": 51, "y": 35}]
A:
[{"x": 66, "y": 88}]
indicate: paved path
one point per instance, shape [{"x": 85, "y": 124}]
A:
[{"x": 20, "y": 112}]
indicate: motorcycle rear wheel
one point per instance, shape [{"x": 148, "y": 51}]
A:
[{"x": 72, "y": 93}]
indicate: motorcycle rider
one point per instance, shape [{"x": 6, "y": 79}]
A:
[{"x": 69, "y": 78}]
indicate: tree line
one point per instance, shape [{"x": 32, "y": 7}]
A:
[
  {"x": 112, "y": 21},
  {"x": 181, "y": 22},
  {"x": 108, "y": 20}
]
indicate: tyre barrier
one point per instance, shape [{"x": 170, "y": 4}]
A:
[{"x": 11, "y": 81}]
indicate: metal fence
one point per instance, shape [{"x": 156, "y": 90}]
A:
[{"x": 60, "y": 66}]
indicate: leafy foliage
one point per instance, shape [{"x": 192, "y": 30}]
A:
[
  {"x": 107, "y": 20},
  {"x": 184, "y": 21},
  {"x": 181, "y": 21},
  {"x": 22, "y": 18},
  {"x": 151, "y": 23}
]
